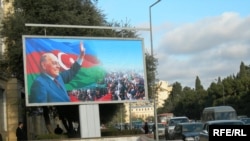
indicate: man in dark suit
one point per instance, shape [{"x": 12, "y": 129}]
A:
[
  {"x": 20, "y": 134},
  {"x": 58, "y": 130},
  {"x": 49, "y": 86}
]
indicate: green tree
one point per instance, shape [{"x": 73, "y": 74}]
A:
[
  {"x": 191, "y": 102},
  {"x": 174, "y": 96},
  {"x": 243, "y": 71},
  {"x": 176, "y": 91},
  {"x": 198, "y": 85},
  {"x": 151, "y": 67},
  {"x": 67, "y": 12},
  {"x": 59, "y": 12}
]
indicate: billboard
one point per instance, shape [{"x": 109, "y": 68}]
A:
[{"x": 83, "y": 70}]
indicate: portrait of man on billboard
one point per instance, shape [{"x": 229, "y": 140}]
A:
[
  {"x": 76, "y": 70},
  {"x": 49, "y": 86}
]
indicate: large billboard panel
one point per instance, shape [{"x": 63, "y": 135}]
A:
[{"x": 83, "y": 70}]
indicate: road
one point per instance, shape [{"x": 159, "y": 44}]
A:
[{"x": 149, "y": 137}]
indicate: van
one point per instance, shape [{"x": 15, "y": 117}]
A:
[{"x": 218, "y": 113}]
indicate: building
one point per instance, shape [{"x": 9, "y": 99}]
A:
[
  {"x": 11, "y": 96},
  {"x": 163, "y": 92},
  {"x": 11, "y": 107},
  {"x": 144, "y": 110}
]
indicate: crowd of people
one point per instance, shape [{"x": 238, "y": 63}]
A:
[{"x": 121, "y": 86}]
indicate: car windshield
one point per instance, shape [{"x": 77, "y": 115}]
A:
[
  {"x": 173, "y": 122},
  {"x": 229, "y": 123},
  {"x": 192, "y": 127},
  {"x": 161, "y": 126},
  {"x": 225, "y": 115}
]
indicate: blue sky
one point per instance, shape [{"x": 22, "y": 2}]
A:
[{"x": 205, "y": 38}]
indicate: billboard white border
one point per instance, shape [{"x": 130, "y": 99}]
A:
[{"x": 83, "y": 102}]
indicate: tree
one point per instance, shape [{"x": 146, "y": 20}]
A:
[
  {"x": 61, "y": 12},
  {"x": 176, "y": 91},
  {"x": 151, "y": 67},
  {"x": 243, "y": 71},
  {"x": 70, "y": 12},
  {"x": 191, "y": 102},
  {"x": 198, "y": 85},
  {"x": 174, "y": 96}
]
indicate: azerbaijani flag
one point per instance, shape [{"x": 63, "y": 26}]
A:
[{"x": 67, "y": 51}]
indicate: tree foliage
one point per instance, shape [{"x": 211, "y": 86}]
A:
[
  {"x": 151, "y": 67},
  {"x": 56, "y": 12},
  {"x": 198, "y": 85},
  {"x": 234, "y": 90}
]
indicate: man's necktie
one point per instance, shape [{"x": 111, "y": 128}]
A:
[{"x": 57, "y": 83}]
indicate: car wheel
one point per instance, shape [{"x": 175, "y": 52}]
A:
[
  {"x": 166, "y": 137},
  {"x": 170, "y": 137}
]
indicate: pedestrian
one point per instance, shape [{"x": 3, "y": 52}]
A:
[
  {"x": 145, "y": 128},
  {"x": 154, "y": 130},
  {"x": 58, "y": 130},
  {"x": 1, "y": 138},
  {"x": 20, "y": 133}
]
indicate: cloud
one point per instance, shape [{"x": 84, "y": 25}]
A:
[{"x": 209, "y": 48}]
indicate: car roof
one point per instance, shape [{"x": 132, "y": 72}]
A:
[
  {"x": 180, "y": 117},
  {"x": 189, "y": 123},
  {"x": 223, "y": 121},
  {"x": 220, "y": 108}
]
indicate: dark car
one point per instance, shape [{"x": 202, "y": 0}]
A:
[
  {"x": 161, "y": 130},
  {"x": 204, "y": 133},
  {"x": 188, "y": 131},
  {"x": 150, "y": 127},
  {"x": 169, "y": 129},
  {"x": 246, "y": 121}
]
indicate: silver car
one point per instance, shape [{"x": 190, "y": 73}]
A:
[
  {"x": 169, "y": 129},
  {"x": 161, "y": 128},
  {"x": 204, "y": 133}
]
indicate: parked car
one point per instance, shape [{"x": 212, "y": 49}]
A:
[
  {"x": 150, "y": 127},
  {"x": 246, "y": 121},
  {"x": 188, "y": 131},
  {"x": 161, "y": 129},
  {"x": 204, "y": 133},
  {"x": 241, "y": 116},
  {"x": 169, "y": 128}
]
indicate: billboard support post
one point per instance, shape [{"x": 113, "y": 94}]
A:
[{"x": 89, "y": 121}]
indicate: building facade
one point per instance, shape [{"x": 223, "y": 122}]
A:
[
  {"x": 143, "y": 110},
  {"x": 11, "y": 108}
]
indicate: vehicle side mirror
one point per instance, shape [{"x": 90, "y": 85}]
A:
[{"x": 204, "y": 131}]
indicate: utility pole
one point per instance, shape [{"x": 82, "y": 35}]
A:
[{"x": 153, "y": 87}]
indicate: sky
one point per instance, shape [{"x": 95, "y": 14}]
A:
[{"x": 204, "y": 38}]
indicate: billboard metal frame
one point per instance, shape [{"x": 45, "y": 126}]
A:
[{"x": 84, "y": 26}]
